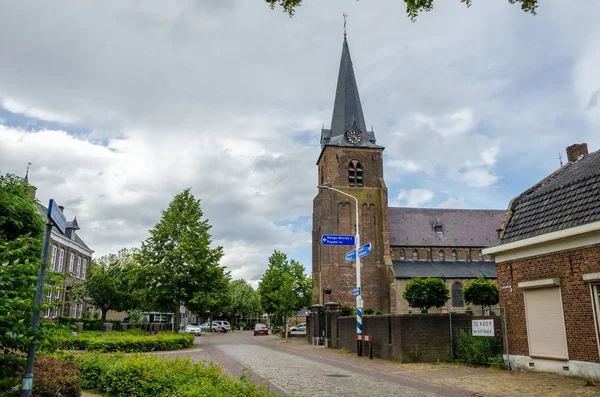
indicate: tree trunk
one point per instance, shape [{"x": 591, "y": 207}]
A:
[
  {"x": 177, "y": 319},
  {"x": 286, "y": 328},
  {"x": 103, "y": 318}
]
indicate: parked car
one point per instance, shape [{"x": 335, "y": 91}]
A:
[
  {"x": 193, "y": 329},
  {"x": 224, "y": 325},
  {"x": 299, "y": 327},
  {"x": 216, "y": 327},
  {"x": 260, "y": 328}
]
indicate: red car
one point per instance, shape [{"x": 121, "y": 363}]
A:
[{"x": 260, "y": 329}]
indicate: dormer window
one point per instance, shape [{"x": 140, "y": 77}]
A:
[
  {"x": 355, "y": 174},
  {"x": 437, "y": 225}
]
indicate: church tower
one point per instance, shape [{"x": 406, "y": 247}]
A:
[{"x": 351, "y": 161}]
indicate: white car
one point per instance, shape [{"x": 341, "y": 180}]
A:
[
  {"x": 193, "y": 329},
  {"x": 224, "y": 325},
  {"x": 216, "y": 327},
  {"x": 299, "y": 327}
]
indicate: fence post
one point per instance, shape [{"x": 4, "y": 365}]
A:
[
  {"x": 451, "y": 337},
  {"x": 506, "y": 338}
]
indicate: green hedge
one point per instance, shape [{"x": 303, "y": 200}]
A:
[
  {"x": 150, "y": 376},
  {"x": 51, "y": 377},
  {"x": 89, "y": 324},
  {"x": 131, "y": 341}
]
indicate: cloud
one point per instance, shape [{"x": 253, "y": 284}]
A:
[
  {"x": 479, "y": 177},
  {"x": 412, "y": 198},
  {"x": 228, "y": 97}
]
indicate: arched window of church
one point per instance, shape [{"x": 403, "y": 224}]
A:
[
  {"x": 441, "y": 255},
  {"x": 454, "y": 255},
  {"x": 355, "y": 174},
  {"x": 402, "y": 255},
  {"x": 415, "y": 255},
  {"x": 457, "y": 298},
  {"x": 480, "y": 255}
]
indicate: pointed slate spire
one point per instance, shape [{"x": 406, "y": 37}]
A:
[{"x": 346, "y": 108}]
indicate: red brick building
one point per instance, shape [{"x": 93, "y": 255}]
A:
[
  {"x": 406, "y": 242},
  {"x": 548, "y": 267}
]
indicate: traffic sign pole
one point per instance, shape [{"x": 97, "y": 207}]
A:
[{"x": 358, "y": 298}]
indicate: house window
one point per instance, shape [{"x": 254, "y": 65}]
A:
[
  {"x": 457, "y": 297},
  {"x": 402, "y": 255},
  {"x": 57, "y": 294},
  {"x": 545, "y": 323},
  {"x": 78, "y": 273},
  {"x": 454, "y": 255},
  {"x": 441, "y": 255},
  {"x": 480, "y": 255},
  {"x": 71, "y": 261},
  {"x": 53, "y": 261},
  {"x": 415, "y": 255},
  {"x": 355, "y": 174},
  {"x": 61, "y": 260},
  {"x": 84, "y": 269}
]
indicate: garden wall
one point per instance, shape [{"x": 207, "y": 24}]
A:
[{"x": 403, "y": 337}]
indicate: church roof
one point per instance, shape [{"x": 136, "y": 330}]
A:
[
  {"x": 347, "y": 110},
  {"x": 566, "y": 198},
  {"x": 444, "y": 269},
  {"x": 460, "y": 227}
]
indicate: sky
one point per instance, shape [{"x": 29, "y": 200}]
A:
[{"x": 120, "y": 105}]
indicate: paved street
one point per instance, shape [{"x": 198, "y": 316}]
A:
[{"x": 303, "y": 370}]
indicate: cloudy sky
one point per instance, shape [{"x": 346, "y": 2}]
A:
[{"x": 120, "y": 105}]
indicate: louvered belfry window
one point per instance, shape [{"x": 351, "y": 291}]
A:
[{"x": 355, "y": 174}]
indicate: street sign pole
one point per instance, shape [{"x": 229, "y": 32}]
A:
[
  {"x": 358, "y": 298},
  {"x": 55, "y": 217},
  {"x": 27, "y": 384}
]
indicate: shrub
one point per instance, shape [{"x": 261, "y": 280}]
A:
[
  {"x": 51, "y": 377},
  {"x": 143, "y": 375},
  {"x": 131, "y": 341},
  {"x": 346, "y": 310},
  {"x": 378, "y": 312},
  {"x": 89, "y": 324},
  {"x": 369, "y": 310},
  {"x": 481, "y": 350},
  {"x": 241, "y": 325}
]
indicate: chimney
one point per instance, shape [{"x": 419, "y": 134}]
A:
[
  {"x": 576, "y": 151},
  {"x": 61, "y": 208}
]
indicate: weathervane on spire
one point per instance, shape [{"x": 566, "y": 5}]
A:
[
  {"x": 345, "y": 16},
  {"x": 27, "y": 172}
]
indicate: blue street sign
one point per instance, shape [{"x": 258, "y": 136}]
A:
[
  {"x": 57, "y": 217},
  {"x": 362, "y": 251},
  {"x": 334, "y": 239},
  {"x": 355, "y": 291}
]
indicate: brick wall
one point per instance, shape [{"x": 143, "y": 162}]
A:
[
  {"x": 432, "y": 253},
  {"x": 395, "y": 336},
  {"x": 576, "y": 297}
]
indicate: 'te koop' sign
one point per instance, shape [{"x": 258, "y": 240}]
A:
[{"x": 482, "y": 327}]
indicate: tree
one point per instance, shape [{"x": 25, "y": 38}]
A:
[
  {"x": 109, "y": 283},
  {"x": 178, "y": 264},
  {"x": 284, "y": 289},
  {"x": 481, "y": 292},
  {"x": 245, "y": 300},
  {"x": 413, "y": 7},
  {"x": 21, "y": 225},
  {"x": 426, "y": 293}
]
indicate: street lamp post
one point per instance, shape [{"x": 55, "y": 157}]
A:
[{"x": 359, "y": 297}]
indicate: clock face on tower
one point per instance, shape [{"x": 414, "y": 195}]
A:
[{"x": 353, "y": 137}]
